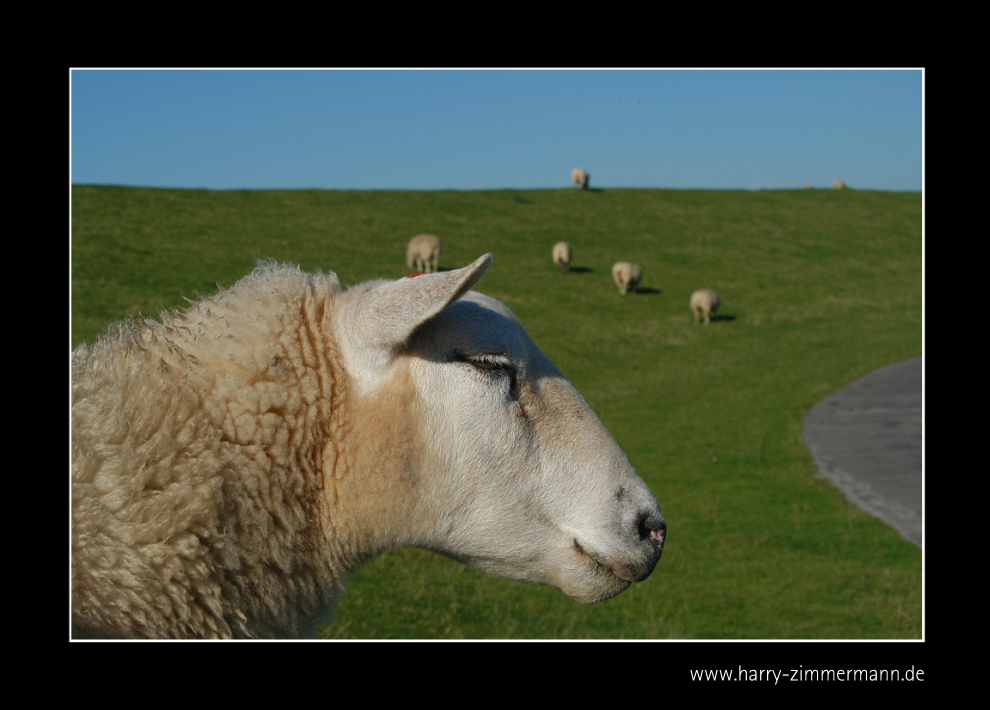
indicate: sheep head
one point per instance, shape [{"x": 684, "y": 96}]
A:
[{"x": 495, "y": 460}]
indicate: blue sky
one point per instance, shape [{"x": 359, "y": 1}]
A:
[{"x": 478, "y": 129}]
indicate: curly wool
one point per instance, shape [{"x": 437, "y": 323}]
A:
[{"x": 198, "y": 449}]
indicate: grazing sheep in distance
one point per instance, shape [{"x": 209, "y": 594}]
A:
[
  {"x": 424, "y": 252},
  {"x": 626, "y": 276},
  {"x": 233, "y": 463},
  {"x": 839, "y": 185},
  {"x": 706, "y": 301},
  {"x": 562, "y": 255},
  {"x": 579, "y": 176}
]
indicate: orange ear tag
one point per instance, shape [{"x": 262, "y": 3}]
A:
[{"x": 421, "y": 273}]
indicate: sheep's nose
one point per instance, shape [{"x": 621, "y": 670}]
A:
[{"x": 653, "y": 528}]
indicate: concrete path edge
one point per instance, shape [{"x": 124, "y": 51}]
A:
[{"x": 866, "y": 439}]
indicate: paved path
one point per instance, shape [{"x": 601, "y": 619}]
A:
[{"x": 866, "y": 440}]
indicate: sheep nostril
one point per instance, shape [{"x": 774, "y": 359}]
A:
[{"x": 653, "y": 529}]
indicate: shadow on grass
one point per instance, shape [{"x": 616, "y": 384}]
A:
[
  {"x": 716, "y": 319},
  {"x": 647, "y": 291},
  {"x": 581, "y": 270}
]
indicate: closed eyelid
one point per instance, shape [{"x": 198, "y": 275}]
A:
[
  {"x": 487, "y": 361},
  {"x": 492, "y": 363}
]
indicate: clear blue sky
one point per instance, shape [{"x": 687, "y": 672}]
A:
[{"x": 477, "y": 129}]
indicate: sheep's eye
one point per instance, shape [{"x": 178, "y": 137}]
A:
[
  {"x": 498, "y": 364},
  {"x": 485, "y": 361}
]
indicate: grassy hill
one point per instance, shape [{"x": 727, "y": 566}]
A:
[{"x": 818, "y": 288}]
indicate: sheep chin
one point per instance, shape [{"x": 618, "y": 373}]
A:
[
  {"x": 602, "y": 585},
  {"x": 595, "y": 580}
]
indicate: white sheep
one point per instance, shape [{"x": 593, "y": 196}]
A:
[
  {"x": 562, "y": 253},
  {"x": 424, "y": 252},
  {"x": 626, "y": 276},
  {"x": 579, "y": 176},
  {"x": 232, "y": 464},
  {"x": 705, "y": 301},
  {"x": 839, "y": 185}
]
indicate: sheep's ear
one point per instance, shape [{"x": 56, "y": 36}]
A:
[{"x": 385, "y": 316}]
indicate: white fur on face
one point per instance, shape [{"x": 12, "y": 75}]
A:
[{"x": 526, "y": 482}]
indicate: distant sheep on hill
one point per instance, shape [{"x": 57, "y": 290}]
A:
[
  {"x": 579, "y": 176},
  {"x": 704, "y": 301},
  {"x": 839, "y": 185},
  {"x": 562, "y": 255},
  {"x": 235, "y": 462},
  {"x": 626, "y": 276},
  {"x": 423, "y": 252}
]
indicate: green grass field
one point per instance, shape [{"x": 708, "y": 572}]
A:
[{"x": 818, "y": 287}]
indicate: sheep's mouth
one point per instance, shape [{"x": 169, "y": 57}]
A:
[{"x": 599, "y": 566}]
